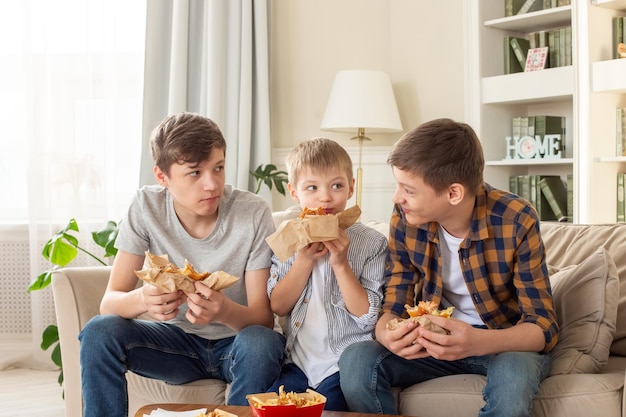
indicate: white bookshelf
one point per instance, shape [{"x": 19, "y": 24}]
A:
[
  {"x": 586, "y": 93},
  {"x": 609, "y": 76}
]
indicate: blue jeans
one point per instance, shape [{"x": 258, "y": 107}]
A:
[
  {"x": 369, "y": 371},
  {"x": 295, "y": 380},
  {"x": 111, "y": 346}
]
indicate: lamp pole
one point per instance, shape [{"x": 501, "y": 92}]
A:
[{"x": 359, "y": 171}]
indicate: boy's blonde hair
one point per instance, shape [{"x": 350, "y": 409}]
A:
[{"x": 318, "y": 154}]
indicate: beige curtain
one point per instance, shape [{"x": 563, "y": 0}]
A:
[
  {"x": 70, "y": 98},
  {"x": 210, "y": 57}
]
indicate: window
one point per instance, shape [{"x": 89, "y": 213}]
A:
[{"x": 71, "y": 87}]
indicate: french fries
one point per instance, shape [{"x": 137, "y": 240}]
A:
[
  {"x": 287, "y": 398},
  {"x": 427, "y": 307},
  {"x": 312, "y": 212}
]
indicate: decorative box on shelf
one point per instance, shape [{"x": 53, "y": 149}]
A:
[{"x": 537, "y": 147}]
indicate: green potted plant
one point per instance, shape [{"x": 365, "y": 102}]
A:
[
  {"x": 270, "y": 176},
  {"x": 61, "y": 250}
]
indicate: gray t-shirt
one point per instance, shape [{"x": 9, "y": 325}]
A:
[{"x": 237, "y": 244}]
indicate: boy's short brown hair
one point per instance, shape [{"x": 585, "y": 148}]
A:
[
  {"x": 184, "y": 137},
  {"x": 442, "y": 152},
  {"x": 318, "y": 154}
]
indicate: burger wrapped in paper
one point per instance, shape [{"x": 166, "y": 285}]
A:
[
  {"x": 313, "y": 225},
  {"x": 417, "y": 313},
  {"x": 167, "y": 276}
]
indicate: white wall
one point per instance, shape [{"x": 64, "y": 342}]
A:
[{"x": 418, "y": 43}]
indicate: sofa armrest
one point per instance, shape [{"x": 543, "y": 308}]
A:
[{"x": 77, "y": 294}]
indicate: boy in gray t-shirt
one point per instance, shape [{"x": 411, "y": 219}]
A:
[{"x": 190, "y": 215}]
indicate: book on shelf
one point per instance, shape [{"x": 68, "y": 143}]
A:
[
  {"x": 530, "y": 6},
  {"x": 523, "y": 186},
  {"x": 529, "y": 187},
  {"x": 553, "y": 48},
  {"x": 570, "y": 196},
  {"x": 511, "y": 7},
  {"x": 551, "y": 125},
  {"x": 618, "y": 34},
  {"x": 621, "y": 204},
  {"x": 520, "y": 49},
  {"x": 555, "y": 192},
  {"x": 560, "y": 47},
  {"x": 511, "y": 62},
  {"x": 523, "y": 126},
  {"x": 516, "y": 126},
  {"x": 620, "y": 131},
  {"x": 568, "y": 46},
  {"x": 513, "y": 184}
]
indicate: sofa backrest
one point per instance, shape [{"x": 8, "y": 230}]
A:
[{"x": 570, "y": 244}]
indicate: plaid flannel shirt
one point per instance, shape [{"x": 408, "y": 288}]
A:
[{"x": 502, "y": 260}]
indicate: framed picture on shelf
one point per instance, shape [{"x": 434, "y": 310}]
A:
[{"x": 536, "y": 59}]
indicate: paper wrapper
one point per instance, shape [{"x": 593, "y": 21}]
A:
[
  {"x": 158, "y": 273},
  {"x": 421, "y": 320},
  {"x": 292, "y": 235}
]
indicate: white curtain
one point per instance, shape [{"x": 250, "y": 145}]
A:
[
  {"x": 211, "y": 57},
  {"x": 71, "y": 85}
]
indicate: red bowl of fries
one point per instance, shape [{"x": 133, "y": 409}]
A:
[{"x": 287, "y": 404}]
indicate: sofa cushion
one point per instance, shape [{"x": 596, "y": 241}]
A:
[
  {"x": 381, "y": 227},
  {"x": 559, "y": 395},
  {"x": 289, "y": 213},
  {"x": 585, "y": 299},
  {"x": 570, "y": 244}
]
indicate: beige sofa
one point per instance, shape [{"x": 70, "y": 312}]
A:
[{"x": 77, "y": 293}]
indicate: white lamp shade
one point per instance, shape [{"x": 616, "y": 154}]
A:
[{"x": 362, "y": 99}]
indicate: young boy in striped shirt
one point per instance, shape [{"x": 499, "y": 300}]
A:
[{"x": 329, "y": 292}]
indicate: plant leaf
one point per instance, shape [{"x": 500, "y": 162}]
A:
[
  {"x": 61, "y": 248},
  {"x": 106, "y": 237},
  {"x": 49, "y": 336},
  {"x": 42, "y": 281},
  {"x": 56, "y": 355},
  {"x": 280, "y": 187},
  {"x": 62, "y": 253}
]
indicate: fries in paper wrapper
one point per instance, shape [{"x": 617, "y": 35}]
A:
[
  {"x": 417, "y": 313},
  {"x": 292, "y": 235},
  {"x": 167, "y": 276},
  {"x": 287, "y": 404}
]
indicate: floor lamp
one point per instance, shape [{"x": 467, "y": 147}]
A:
[{"x": 361, "y": 100}]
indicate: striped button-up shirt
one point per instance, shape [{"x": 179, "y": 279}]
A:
[
  {"x": 502, "y": 259},
  {"x": 366, "y": 256}
]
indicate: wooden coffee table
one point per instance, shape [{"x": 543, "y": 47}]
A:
[{"x": 240, "y": 411}]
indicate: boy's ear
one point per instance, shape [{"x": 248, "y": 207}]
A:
[
  {"x": 456, "y": 192},
  {"x": 293, "y": 193},
  {"x": 159, "y": 175},
  {"x": 351, "y": 193}
]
